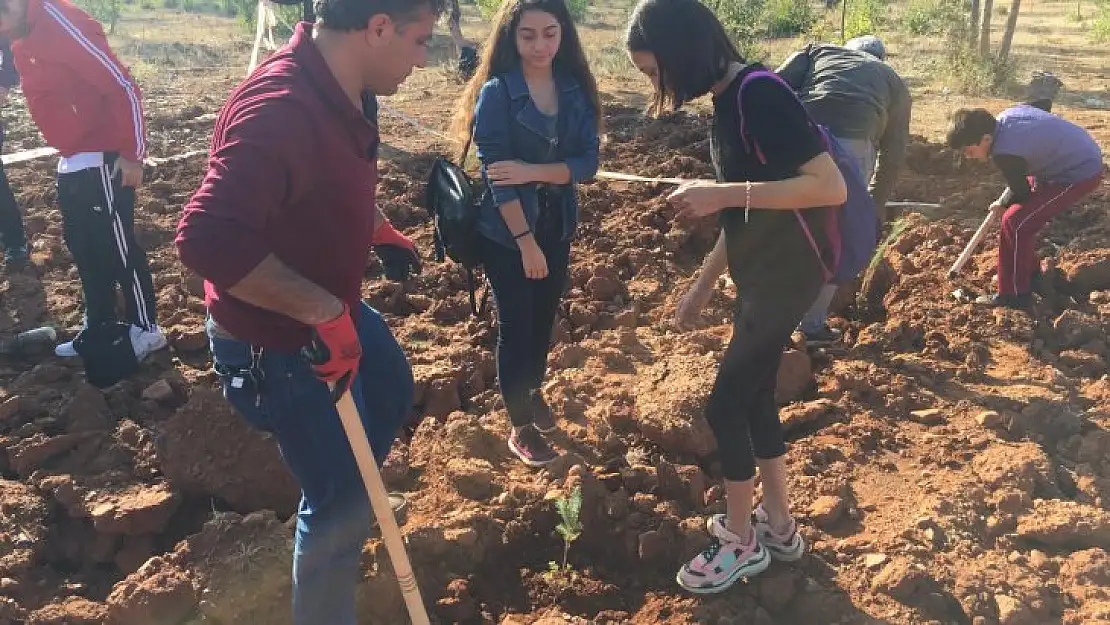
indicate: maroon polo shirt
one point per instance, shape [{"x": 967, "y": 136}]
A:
[{"x": 290, "y": 173}]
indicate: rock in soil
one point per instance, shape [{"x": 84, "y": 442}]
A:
[
  {"x": 777, "y": 588},
  {"x": 804, "y": 414},
  {"x": 654, "y": 547},
  {"x": 473, "y": 478},
  {"x": 206, "y": 448},
  {"x": 901, "y": 579},
  {"x": 1012, "y": 611},
  {"x": 159, "y": 592},
  {"x": 33, "y": 452},
  {"x": 160, "y": 391},
  {"x": 1086, "y": 575},
  {"x": 72, "y": 611},
  {"x": 458, "y": 606},
  {"x": 1088, "y": 270},
  {"x": 116, "y": 507},
  {"x": 795, "y": 376},
  {"x": 670, "y": 400},
  {"x": 1024, "y": 466},
  {"x": 827, "y": 510},
  {"x": 1065, "y": 525}
]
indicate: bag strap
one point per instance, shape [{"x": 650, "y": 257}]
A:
[
  {"x": 477, "y": 307},
  {"x": 748, "y": 146}
]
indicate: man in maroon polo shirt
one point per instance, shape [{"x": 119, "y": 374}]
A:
[{"x": 280, "y": 230}]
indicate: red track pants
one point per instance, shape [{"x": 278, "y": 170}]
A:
[{"x": 1017, "y": 250}]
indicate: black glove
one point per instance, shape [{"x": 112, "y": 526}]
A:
[{"x": 397, "y": 253}]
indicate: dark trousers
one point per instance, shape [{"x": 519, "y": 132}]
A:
[
  {"x": 12, "y": 235},
  {"x": 741, "y": 409},
  {"x": 99, "y": 225},
  {"x": 525, "y": 317}
]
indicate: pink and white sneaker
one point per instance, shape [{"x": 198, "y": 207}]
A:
[
  {"x": 786, "y": 547},
  {"x": 725, "y": 560}
]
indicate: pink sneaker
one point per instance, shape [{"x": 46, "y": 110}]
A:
[
  {"x": 787, "y": 547},
  {"x": 725, "y": 560}
]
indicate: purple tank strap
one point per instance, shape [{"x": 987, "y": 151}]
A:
[{"x": 759, "y": 152}]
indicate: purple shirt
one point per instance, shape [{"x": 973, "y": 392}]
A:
[{"x": 1055, "y": 150}]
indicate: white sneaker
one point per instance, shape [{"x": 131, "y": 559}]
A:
[
  {"x": 146, "y": 342},
  {"x": 65, "y": 350}
]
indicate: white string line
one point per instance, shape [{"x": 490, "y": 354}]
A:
[
  {"x": 600, "y": 174},
  {"x": 36, "y": 153}
]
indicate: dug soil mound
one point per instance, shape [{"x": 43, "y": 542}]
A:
[{"x": 950, "y": 464}]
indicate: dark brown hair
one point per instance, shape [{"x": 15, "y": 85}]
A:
[
  {"x": 500, "y": 56},
  {"x": 354, "y": 15},
  {"x": 690, "y": 46},
  {"x": 968, "y": 126}
]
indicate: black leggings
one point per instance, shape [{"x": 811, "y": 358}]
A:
[
  {"x": 525, "y": 317},
  {"x": 741, "y": 410}
]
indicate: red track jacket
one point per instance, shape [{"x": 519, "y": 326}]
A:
[{"x": 79, "y": 94}]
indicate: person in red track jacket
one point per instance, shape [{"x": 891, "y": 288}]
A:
[{"x": 88, "y": 107}]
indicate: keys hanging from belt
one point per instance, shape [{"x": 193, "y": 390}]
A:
[{"x": 240, "y": 377}]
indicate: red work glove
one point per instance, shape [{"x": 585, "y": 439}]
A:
[
  {"x": 335, "y": 352},
  {"x": 396, "y": 251}
]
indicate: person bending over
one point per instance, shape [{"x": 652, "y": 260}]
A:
[
  {"x": 865, "y": 104},
  {"x": 780, "y": 168},
  {"x": 1049, "y": 164}
]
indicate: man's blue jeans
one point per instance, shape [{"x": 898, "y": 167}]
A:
[{"x": 333, "y": 521}]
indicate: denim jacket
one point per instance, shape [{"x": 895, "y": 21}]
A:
[{"x": 508, "y": 126}]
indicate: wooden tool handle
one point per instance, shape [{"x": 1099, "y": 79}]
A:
[
  {"x": 379, "y": 500},
  {"x": 980, "y": 234}
]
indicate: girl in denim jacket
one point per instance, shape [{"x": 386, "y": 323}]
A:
[{"x": 534, "y": 111}]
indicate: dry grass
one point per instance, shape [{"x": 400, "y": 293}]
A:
[{"x": 162, "y": 45}]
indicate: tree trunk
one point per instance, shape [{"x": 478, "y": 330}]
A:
[
  {"x": 1011, "y": 25},
  {"x": 973, "y": 36},
  {"x": 843, "y": 21},
  {"x": 985, "y": 33}
]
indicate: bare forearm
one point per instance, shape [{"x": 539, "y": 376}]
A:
[
  {"x": 715, "y": 264},
  {"x": 274, "y": 286},
  {"x": 800, "y": 192},
  {"x": 513, "y": 214},
  {"x": 552, "y": 173}
]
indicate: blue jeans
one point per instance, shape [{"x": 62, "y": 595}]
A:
[{"x": 280, "y": 394}]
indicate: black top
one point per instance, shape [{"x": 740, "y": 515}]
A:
[
  {"x": 1016, "y": 172},
  {"x": 770, "y": 249}
]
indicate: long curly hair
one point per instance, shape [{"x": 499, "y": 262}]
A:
[{"x": 500, "y": 56}]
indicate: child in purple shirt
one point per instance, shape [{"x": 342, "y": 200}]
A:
[{"x": 1049, "y": 164}]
